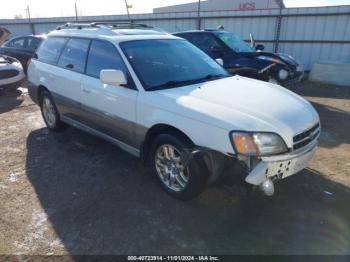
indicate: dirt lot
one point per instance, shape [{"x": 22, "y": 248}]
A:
[{"x": 72, "y": 193}]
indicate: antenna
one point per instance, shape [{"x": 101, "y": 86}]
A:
[
  {"x": 76, "y": 11},
  {"x": 127, "y": 9}
]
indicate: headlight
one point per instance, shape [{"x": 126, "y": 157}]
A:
[
  {"x": 300, "y": 68},
  {"x": 257, "y": 144},
  {"x": 283, "y": 74},
  {"x": 17, "y": 64},
  {"x": 272, "y": 59}
]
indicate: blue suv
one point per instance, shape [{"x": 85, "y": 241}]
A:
[{"x": 238, "y": 57}]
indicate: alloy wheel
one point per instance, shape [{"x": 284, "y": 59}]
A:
[
  {"x": 49, "y": 112},
  {"x": 170, "y": 168}
]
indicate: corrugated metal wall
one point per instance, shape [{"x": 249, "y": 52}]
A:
[{"x": 308, "y": 34}]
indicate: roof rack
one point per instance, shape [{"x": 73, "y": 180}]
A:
[
  {"x": 74, "y": 25},
  {"x": 112, "y": 25},
  {"x": 122, "y": 25}
]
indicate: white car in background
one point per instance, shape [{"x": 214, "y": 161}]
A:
[
  {"x": 162, "y": 99},
  {"x": 11, "y": 71}
]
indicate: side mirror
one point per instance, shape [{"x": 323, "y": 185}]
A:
[
  {"x": 252, "y": 41},
  {"x": 259, "y": 47},
  {"x": 113, "y": 77},
  {"x": 219, "y": 61}
]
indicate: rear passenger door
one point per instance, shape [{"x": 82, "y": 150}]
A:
[
  {"x": 109, "y": 109},
  {"x": 67, "y": 77}
]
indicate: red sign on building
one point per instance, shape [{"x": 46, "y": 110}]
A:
[{"x": 247, "y": 6}]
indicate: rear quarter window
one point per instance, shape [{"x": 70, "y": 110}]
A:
[{"x": 51, "y": 49}]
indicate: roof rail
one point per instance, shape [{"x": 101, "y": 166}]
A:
[
  {"x": 122, "y": 25},
  {"x": 75, "y": 25},
  {"x": 112, "y": 25}
]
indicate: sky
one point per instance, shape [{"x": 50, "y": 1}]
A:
[{"x": 51, "y": 8}]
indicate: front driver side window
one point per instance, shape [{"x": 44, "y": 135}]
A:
[
  {"x": 33, "y": 43},
  {"x": 103, "y": 55},
  {"x": 206, "y": 42}
]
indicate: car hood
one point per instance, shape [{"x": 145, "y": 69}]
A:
[
  {"x": 245, "y": 104},
  {"x": 4, "y": 33},
  {"x": 287, "y": 59}
]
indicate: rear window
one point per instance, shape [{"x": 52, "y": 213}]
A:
[{"x": 51, "y": 49}]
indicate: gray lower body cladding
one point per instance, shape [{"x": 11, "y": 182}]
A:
[
  {"x": 129, "y": 135},
  {"x": 33, "y": 92}
]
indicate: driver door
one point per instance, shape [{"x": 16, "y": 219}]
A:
[
  {"x": 208, "y": 43},
  {"x": 108, "y": 109}
]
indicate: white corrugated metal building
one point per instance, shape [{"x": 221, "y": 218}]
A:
[
  {"x": 309, "y": 34},
  {"x": 217, "y": 5}
]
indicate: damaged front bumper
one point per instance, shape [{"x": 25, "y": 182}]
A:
[
  {"x": 272, "y": 168},
  {"x": 295, "y": 78}
]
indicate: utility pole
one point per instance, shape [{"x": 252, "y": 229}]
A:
[
  {"x": 199, "y": 14},
  {"x": 29, "y": 20},
  {"x": 127, "y": 9},
  {"x": 76, "y": 11}
]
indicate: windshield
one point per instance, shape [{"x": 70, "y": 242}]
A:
[
  {"x": 162, "y": 64},
  {"x": 234, "y": 42}
]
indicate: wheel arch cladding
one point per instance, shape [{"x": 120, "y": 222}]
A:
[
  {"x": 159, "y": 129},
  {"x": 41, "y": 89}
]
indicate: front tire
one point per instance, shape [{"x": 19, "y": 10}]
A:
[
  {"x": 50, "y": 113},
  {"x": 182, "y": 181}
]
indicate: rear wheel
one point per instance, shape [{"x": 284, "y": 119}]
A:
[
  {"x": 50, "y": 113},
  {"x": 183, "y": 181}
]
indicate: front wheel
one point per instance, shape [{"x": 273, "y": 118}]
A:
[{"x": 183, "y": 181}]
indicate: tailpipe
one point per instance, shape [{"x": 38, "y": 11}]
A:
[{"x": 267, "y": 187}]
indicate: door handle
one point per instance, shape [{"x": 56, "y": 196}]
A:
[{"x": 87, "y": 91}]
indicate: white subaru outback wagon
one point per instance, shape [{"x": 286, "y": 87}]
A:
[{"x": 162, "y": 99}]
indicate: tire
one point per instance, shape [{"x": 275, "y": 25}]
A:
[
  {"x": 195, "y": 172},
  {"x": 50, "y": 113}
]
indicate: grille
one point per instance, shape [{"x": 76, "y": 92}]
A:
[
  {"x": 8, "y": 73},
  {"x": 302, "y": 139}
]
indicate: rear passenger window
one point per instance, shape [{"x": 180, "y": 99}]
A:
[
  {"x": 103, "y": 55},
  {"x": 17, "y": 43},
  {"x": 50, "y": 50},
  {"x": 74, "y": 55}
]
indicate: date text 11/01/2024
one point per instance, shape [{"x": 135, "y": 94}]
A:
[{"x": 173, "y": 258}]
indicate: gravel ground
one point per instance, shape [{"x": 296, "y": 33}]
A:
[{"x": 72, "y": 193}]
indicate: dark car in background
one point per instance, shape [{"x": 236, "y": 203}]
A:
[
  {"x": 238, "y": 57},
  {"x": 21, "y": 48},
  {"x": 11, "y": 71}
]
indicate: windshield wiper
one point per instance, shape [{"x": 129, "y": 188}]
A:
[
  {"x": 170, "y": 84},
  {"x": 175, "y": 83},
  {"x": 214, "y": 76}
]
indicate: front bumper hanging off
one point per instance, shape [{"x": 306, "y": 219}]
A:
[{"x": 273, "y": 168}]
